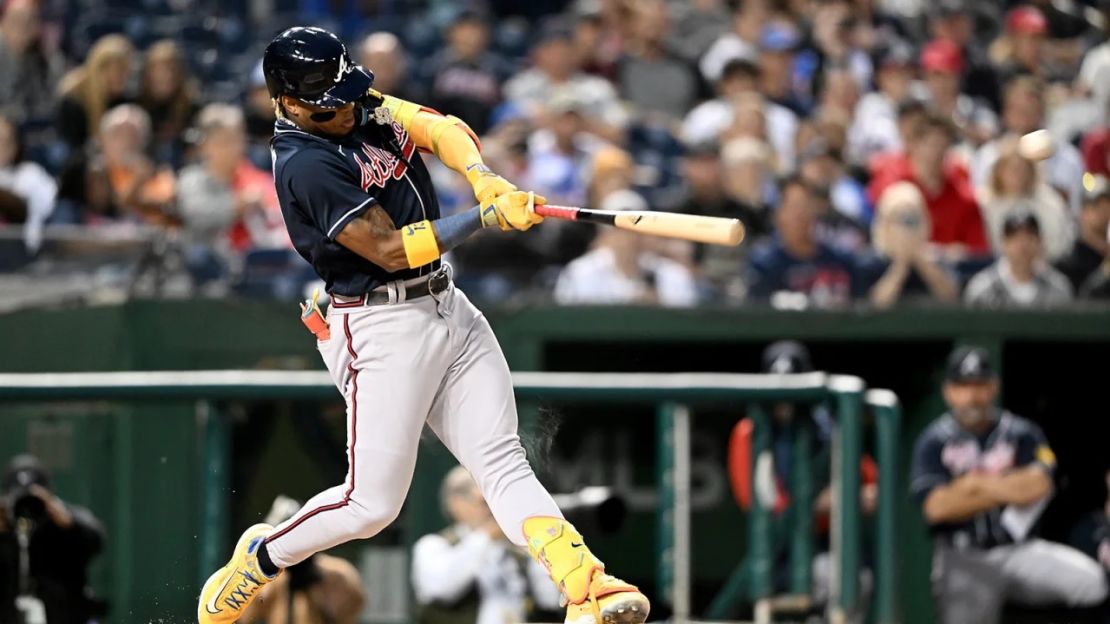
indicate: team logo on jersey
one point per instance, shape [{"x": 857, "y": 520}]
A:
[
  {"x": 378, "y": 166},
  {"x": 999, "y": 457},
  {"x": 960, "y": 456}
]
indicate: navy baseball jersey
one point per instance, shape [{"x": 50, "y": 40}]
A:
[
  {"x": 946, "y": 451},
  {"x": 325, "y": 183}
]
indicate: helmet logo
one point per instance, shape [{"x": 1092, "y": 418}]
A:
[{"x": 344, "y": 68}]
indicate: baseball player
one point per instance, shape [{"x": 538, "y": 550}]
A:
[
  {"x": 983, "y": 476},
  {"x": 403, "y": 345}
]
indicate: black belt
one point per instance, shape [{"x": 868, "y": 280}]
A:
[{"x": 436, "y": 283}]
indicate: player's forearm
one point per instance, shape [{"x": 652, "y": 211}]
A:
[
  {"x": 1023, "y": 486},
  {"x": 374, "y": 237},
  {"x": 950, "y": 503}
]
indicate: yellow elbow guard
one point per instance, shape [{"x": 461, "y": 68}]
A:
[
  {"x": 403, "y": 112},
  {"x": 419, "y": 240}
]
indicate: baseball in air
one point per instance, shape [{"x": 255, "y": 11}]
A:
[{"x": 1036, "y": 145}]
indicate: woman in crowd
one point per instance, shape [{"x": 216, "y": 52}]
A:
[
  {"x": 906, "y": 266},
  {"x": 1015, "y": 184},
  {"x": 94, "y": 87},
  {"x": 115, "y": 179},
  {"x": 169, "y": 95}
]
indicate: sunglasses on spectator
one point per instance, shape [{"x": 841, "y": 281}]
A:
[{"x": 909, "y": 220}]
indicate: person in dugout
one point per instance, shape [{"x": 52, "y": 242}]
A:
[{"x": 767, "y": 478}]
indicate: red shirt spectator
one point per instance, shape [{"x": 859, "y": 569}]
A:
[
  {"x": 1096, "y": 147},
  {"x": 947, "y": 188}
]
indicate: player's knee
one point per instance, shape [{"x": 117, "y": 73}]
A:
[
  {"x": 1089, "y": 588},
  {"x": 369, "y": 521}
]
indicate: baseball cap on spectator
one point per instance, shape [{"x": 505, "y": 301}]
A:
[
  {"x": 468, "y": 15},
  {"x": 564, "y": 101},
  {"x": 948, "y": 8},
  {"x": 24, "y": 471},
  {"x": 506, "y": 112},
  {"x": 897, "y": 54},
  {"x": 940, "y": 55},
  {"x": 555, "y": 29},
  {"x": 779, "y": 37},
  {"x": 1020, "y": 220},
  {"x": 818, "y": 148},
  {"x": 740, "y": 66},
  {"x": 587, "y": 9},
  {"x": 708, "y": 147},
  {"x": 1095, "y": 187},
  {"x": 623, "y": 199},
  {"x": 969, "y": 364},
  {"x": 1026, "y": 20},
  {"x": 786, "y": 356}
]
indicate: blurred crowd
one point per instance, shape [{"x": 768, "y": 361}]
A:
[{"x": 879, "y": 152}]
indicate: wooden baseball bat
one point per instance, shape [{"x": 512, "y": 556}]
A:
[{"x": 712, "y": 230}]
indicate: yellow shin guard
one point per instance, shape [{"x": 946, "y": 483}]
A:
[{"x": 557, "y": 545}]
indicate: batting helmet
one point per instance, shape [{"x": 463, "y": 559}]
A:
[{"x": 313, "y": 66}]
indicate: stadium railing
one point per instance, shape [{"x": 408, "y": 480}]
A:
[{"x": 674, "y": 394}]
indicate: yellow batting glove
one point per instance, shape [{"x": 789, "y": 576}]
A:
[
  {"x": 516, "y": 210},
  {"x": 487, "y": 185}
]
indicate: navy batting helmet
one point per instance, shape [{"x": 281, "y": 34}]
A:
[{"x": 312, "y": 65}]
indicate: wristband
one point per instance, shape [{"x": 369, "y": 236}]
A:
[{"x": 419, "y": 241}]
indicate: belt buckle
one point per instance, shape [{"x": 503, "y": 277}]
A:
[{"x": 439, "y": 282}]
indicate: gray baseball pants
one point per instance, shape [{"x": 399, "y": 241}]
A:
[
  {"x": 433, "y": 360},
  {"x": 972, "y": 585}
]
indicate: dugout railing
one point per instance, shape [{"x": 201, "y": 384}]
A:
[{"x": 676, "y": 396}]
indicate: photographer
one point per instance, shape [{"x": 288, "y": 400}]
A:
[
  {"x": 470, "y": 573},
  {"x": 320, "y": 590},
  {"x": 46, "y": 546}
]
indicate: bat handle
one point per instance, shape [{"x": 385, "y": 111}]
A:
[{"x": 558, "y": 212}]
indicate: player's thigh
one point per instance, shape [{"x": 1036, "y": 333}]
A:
[
  {"x": 1039, "y": 572},
  {"x": 966, "y": 587},
  {"x": 396, "y": 358},
  {"x": 474, "y": 412}
]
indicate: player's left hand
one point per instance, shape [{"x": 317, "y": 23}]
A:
[
  {"x": 487, "y": 185},
  {"x": 515, "y": 210}
]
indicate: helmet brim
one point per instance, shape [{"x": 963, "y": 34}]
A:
[{"x": 353, "y": 87}]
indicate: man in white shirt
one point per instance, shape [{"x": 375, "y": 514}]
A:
[
  {"x": 739, "y": 80},
  {"x": 556, "y": 73},
  {"x": 619, "y": 270},
  {"x": 747, "y": 25},
  {"x": 874, "y": 128},
  {"x": 470, "y": 572},
  {"x": 1020, "y": 278}
]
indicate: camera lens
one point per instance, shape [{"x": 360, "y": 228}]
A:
[{"x": 25, "y": 505}]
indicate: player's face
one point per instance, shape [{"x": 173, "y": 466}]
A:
[
  {"x": 316, "y": 120},
  {"x": 972, "y": 403}
]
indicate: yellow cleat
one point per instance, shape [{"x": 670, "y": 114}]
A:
[
  {"x": 592, "y": 596},
  {"x": 228, "y": 592},
  {"x": 610, "y": 601}
]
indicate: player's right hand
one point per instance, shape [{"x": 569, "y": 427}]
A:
[{"x": 515, "y": 210}]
